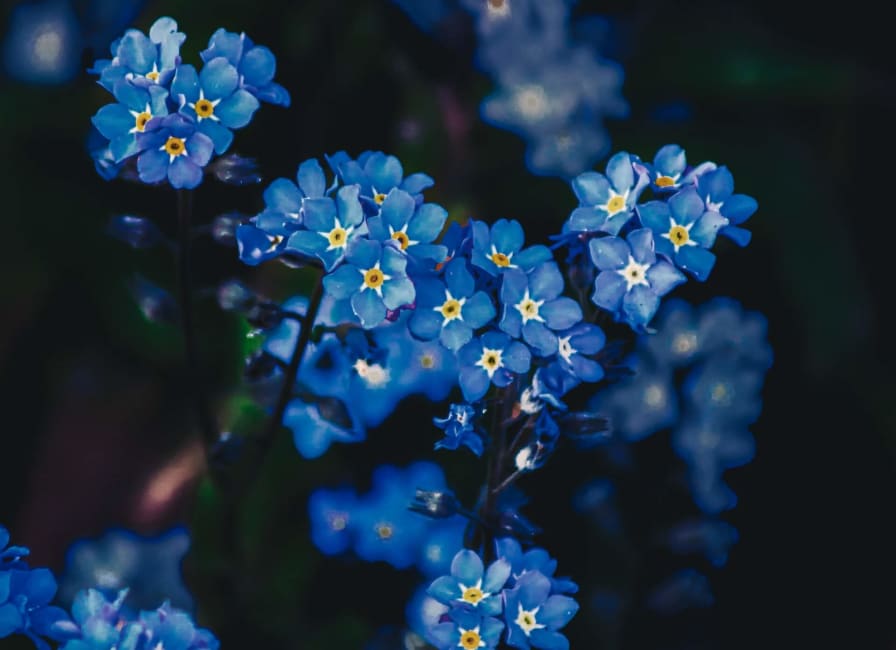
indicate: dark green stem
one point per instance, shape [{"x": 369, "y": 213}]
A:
[
  {"x": 207, "y": 423},
  {"x": 292, "y": 369}
]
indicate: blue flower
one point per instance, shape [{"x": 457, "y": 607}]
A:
[
  {"x": 567, "y": 151},
  {"x": 25, "y": 595},
  {"x": 378, "y": 174},
  {"x": 214, "y": 99},
  {"x": 120, "y": 123},
  {"x": 256, "y": 65},
  {"x": 171, "y": 628},
  {"x": 470, "y": 586},
  {"x": 669, "y": 171},
  {"x": 716, "y": 188},
  {"x": 534, "y": 308},
  {"x": 498, "y": 248},
  {"x": 318, "y": 423},
  {"x": 534, "y": 560},
  {"x": 534, "y": 616},
  {"x": 413, "y": 228},
  {"x": 172, "y": 148},
  {"x": 677, "y": 341},
  {"x": 459, "y": 429},
  {"x": 451, "y": 310},
  {"x": 387, "y": 529},
  {"x": 332, "y": 515},
  {"x": 723, "y": 326},
  {"x": 630, "y": 279},
  {"x": 373, "y": 279},
  {"x": 443, "y": 541},
  {"x": 10, "y": 555},
  {"x": 574, "y": 345},
  {"x": 467, "y": 630},
  {"x": 726, "y": 390},
  {"x": 606, "y": 202},
  {"x": 491, "y": 358},
  {"x": 144, "y": 59},
  {"x": 683, "y": 231},
  {"x": 332, "y": 225},
  {"x": 286, "y": 198}
]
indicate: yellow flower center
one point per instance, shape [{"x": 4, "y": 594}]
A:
[
  {"x": 378, "y": 198},
  {"x": 153, "y": 76},
  {"x": 384, "y": 531},
  {"x": 450, "y": 309},
  {"x": 615, "y": 204},
  {"x": 204, "y": 108},
  {"x": 373, "y": 278},
  {"x": 470, "y": 640},
  {"x": 337, "y": 237},
  {"x": 664, "y": 181},
  {"x": 500, "y": 259},
  {"x": 175, "y": 146},
  {"x": 141, "y": 120},
  {"x": 472, "y": 595},
  {"x": 529, "y": 308},
  {"x": 678, "y": 235},
  {"x": 427, "y": 361},
  {"x": 401, "y": 238},
  {"x": 719, "y": 393},
  {"x": 337, "y": 522}
]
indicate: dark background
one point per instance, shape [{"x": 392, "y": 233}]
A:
[{"x": 797, "y": 101}]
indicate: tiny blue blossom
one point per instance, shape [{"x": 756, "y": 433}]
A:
[
  {"x": 492, "y": 358},
  {"x": 683, "y": 231},
  {"x": 120, "y": 123},
  {"x": 574, "y": 347},
  {"x": 144, "y": 59},
  {"x": 500, "y": 248},
  {"x": 332, "y": 516},
  {"x": 413, "y": 227},
  {"x": 378, "y": 174},
  {"x": 373, "y": 279},
  {"x": 214, "y": 100},
  {"x": 631, "y": 280},
  {"x": 331, "y": 225},
  {"x": 256, "y": 65},
  {"x": 470, "y": 586},
  {"x": 606, "y": 202},
  {"x": 465, "y": 629},
  {"x": 451, "y": 309},
  {"x": 534, "y": 308},
  {"x": 459, "y": 429},
  {"x": 716, "y": 188},
  {"x": 172, "y": 149},
  {"x": 534, "y": 616}
]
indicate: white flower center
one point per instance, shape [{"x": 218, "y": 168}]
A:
[
  {"x": 528, "y": 308},
  {"x": 525, "y": 618},
  {"x": 634, "y": 274},
  {"x": 490, "y": 360}
]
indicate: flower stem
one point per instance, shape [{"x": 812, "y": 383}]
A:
[
  {"x": 292, "y": 369},
  {"x": 207, "y": 423}
]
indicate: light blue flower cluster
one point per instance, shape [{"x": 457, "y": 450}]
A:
[
  {"x": 553, "y": 89},
  {"x": 170, "y": 117},
  {"x": 517, "y": 594},
  {"x": 723, "y": 354},
  {"x": 95, "y": 623},
  {"x": 379, "y": 526}
]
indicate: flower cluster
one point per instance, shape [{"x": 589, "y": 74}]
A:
[
  {"x": 517, "y": 594},
  {"x": 379, "y": 526},
  {"x": 553, "y": 88},
  {"x": 719, "y": 355},
  {"x": 167, "y": 115},
  {"x": 96, "y": 622}
]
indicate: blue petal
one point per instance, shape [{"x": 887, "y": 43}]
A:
[
  {"x": 686, "y": 206},
  {"x": 10, "y": 620},
  {"x": 184, "y": 174},
  {"x": 311, "y": 178},
  {"x": 561, "y": 314},
  {"x": 507, "y": 236},
  {"x": 416, "y": 183},
  {"x": 467, "y": 567},
  {"x": 384, "y": 171},
  {"x": 132, "y": 96},
  {"x": 739, "y": 207},
  {"x": 591, "y": 188},
  {"x": 663, "y": 277},
  {"x": 343, "y": 282},
  {"x": 393, "y": 261},
  {"x": 517, "y": 357},
  {"x": 39, "y": 587},
  {"x": 609, "y": 253},
  {"x": 641, "y": 242},
  {"x": 398, "y": 292},
  {"x": 220, "y": 136},
  {"x": 152, "y": 166},
  {"x": 620, "y": 172},
  {"x": 258, "y": 66},
  {"x": 496, "y": 576},
  {"x": 162, "y": 28},
  {"x": 716, "y": 185},
  {"x": 398, "y": 208},
  {"x": 547, "y": 639},
  {"x": 218, "y": 79},
  {"x": 656, "y": 216},
  {"x": 199, "y": 149},
  {"x": 427, "y": 222},
  {"x": 534, "y": 255},
  {"x": 739, "y": 236},
  {"x": 511, "y": 320},
  {"x": 318, "y": 214},
  {"x": 545, "y": 281},
  {"x": 455, "y": 334},
  {"x": 307, "y": 242},
  {"x": 609, "y": 289},
  {"x": 282, "y": 195},
  {"x": 473, "y": 382},
  {"x": 369, "y": 308},
  {"x": 543, "y": 340},
  {"x": 137, "y": 52},
  {"x": 639, "y": 305},
  {"x": 706, "y": 228},
  {"x": 670, "y": 160},
  {"x": 586, "y": 219},
  {"x": 534, "y": 589},
  {"x": 557, "y": 611},
  {"x": 113, "y": 120},
  {"x": 696, "y": 261},
  {"x": 478, "y": 310},
  {"x": 513, "y": 286},
  {"x": 377, "y": 229},
  {"x": 425, "y": 324},
  {"x": 186, "y": 83},
  {"x": 226, "y": 44},
  {"x": 586, "y": 369},
  {"x": 350, "y": 211},
  {"x": 444, "y": 589},
  {"x": 364, "y": 253},
  {"x": 237, "y": 110}
]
